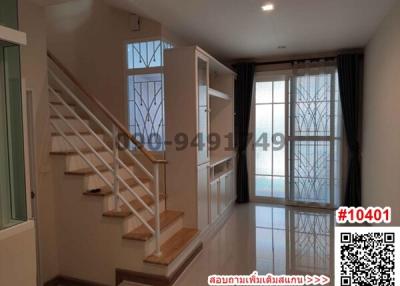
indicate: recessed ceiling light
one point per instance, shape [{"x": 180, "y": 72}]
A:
[{"x": 268, "y": 7}]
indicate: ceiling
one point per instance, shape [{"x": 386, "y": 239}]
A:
[{"x": 237, "y": 29}]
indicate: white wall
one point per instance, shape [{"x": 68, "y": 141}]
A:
[
  {"x": 34, "y": 71},
  {"x": 88, "y": 37},
  {"x": 381, "y": 117},
  {"x": 18, "y": 255},
  {"x": 18, "y": 263}
]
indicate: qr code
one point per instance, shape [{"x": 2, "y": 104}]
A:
[{"x": 366, "y": 256}]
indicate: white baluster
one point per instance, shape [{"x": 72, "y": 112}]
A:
[
  {"x": 115, "y": 165},
  {"x": 157, "y": 206}
]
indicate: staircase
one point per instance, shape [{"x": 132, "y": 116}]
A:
[{"x": 121, "y": 188}]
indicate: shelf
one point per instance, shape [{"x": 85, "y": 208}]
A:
[
  {"x": 217, "y": 161},
  {"x": 218, "y": 94},
  {"x": 12, "y": 36},
  {"x": 215, "y": 65}
]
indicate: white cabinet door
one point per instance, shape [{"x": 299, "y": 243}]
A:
[
  {"x": 203, "y": 111},
  {"x": 229, "y": 189},
  {"x": 202, "y": 147},
  {"x": 222, "y": 194},
  {"x": 214, "y": 190},
  {"x": 202, "y": 196}
]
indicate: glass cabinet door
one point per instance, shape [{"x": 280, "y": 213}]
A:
[
  {"x": 203, "y": 123},
  {"x": 12, "y": 167}
]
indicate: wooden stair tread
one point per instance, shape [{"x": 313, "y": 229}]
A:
[
  {"x": 60, "y": 103},
  {"x": 125, "y": 211},
  {"x": 143, "y": 233},
  {"x": 89, "y": 171},
  {"x": 69, "y": 133},
  {"x": 66, "y": 117},
  {"x": 173, "y": 247},
  {"x": 99, "y": 193},
  {"x": 84, "y": 151},
  {"x": 131, "y": 182},
  {"x": 108, "y": 191}
]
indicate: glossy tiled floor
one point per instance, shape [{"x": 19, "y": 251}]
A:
[{"x": 269, "y": 239}]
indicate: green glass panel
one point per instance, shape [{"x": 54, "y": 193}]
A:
[
  {"x": 9, "y": 13},
  {"x": 12, "y": 166}
]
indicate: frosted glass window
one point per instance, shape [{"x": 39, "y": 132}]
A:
[
  {"x": 146, "y": 54},
  {"x": 270, "y": 120},
  {"x": 312, "y": 105},
  {"x": 311, "y": 171},
  {"x": 146, "y": 109}
]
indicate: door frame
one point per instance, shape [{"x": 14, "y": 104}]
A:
[{"x": 272, "y": 76}]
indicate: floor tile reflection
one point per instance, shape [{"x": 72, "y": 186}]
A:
[{"x": 269, "y": 239}]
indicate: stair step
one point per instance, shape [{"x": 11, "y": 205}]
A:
[
  {"x": 143, "y": 233},
  {"x": 147, "y": 199},
  {"x": 87, "y": 171},
  {"x": 65, "y": 116},
  {"x": 131, "y": 182},
  {"x": 98, "y": 193},
  {"x": 70, "y": 133},
  {"x": 107, "y": 191},
  {"x": 84, "y": 151},
  {"x": 60, "y": 103},
  {"x": 138, "y": 206},
  {"x": 173, "y": 247}
]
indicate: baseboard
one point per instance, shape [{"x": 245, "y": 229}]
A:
[
  {"x": 156, "y": 280},
  {"x": 62, "y": 280}
]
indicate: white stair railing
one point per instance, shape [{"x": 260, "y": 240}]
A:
[{"x": 117, "y": 163}]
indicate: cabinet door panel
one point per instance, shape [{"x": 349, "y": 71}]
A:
[
  {"x": 229, "y": 188},
  {"x": 222, "y": 195},
  {"x": 202, "y": 138},
  {"x": 202, "y": 196},
  {"x": 202, "y": 81},
  {"x": 214, "y": 189},
  {"x": 203, "y": 106}
]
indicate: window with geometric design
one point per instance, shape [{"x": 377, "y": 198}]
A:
[
  {"x": 146, "y": 92},
  {"x": 298, "y": 122},
  {"x": 314, "y": 138}
]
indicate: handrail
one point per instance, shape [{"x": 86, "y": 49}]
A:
[{"x": 110, "y": 116}]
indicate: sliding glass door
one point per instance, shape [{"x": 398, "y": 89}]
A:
[
  {"x": 12, "y": 167},
  {"x": 297, "y": 137}
]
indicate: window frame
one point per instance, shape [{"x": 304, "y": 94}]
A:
[
  {"x": 140, "y": 71},
  {"x": 19, "y": 223}
]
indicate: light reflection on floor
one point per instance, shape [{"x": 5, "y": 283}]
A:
[{"x": 269, "y": 239}]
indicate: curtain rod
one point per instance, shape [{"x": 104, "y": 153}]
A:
[{"x": 294, "y": 61}]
